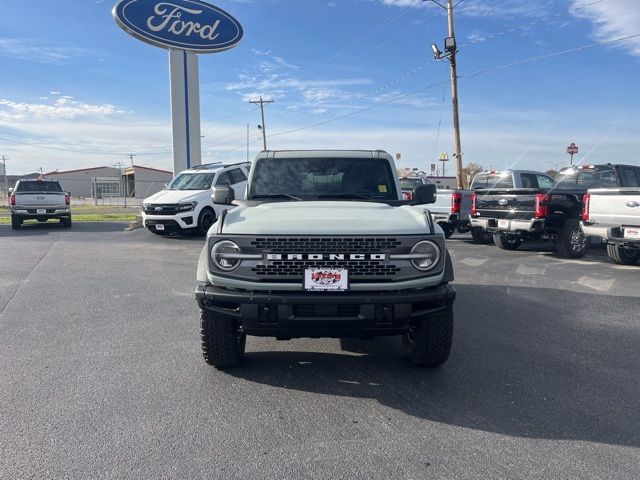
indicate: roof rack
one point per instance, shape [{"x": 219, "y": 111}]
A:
[{"x": 207, "y": 166}]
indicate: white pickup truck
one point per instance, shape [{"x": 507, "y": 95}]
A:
[
  {"x": 39, "y": 200},
  {"x": 613, "y": 214}
]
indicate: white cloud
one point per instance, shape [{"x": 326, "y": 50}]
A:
[
  {"x": 25, "y": 49},
  {"x": 63, "y": 107},
  {"x": 613, "y": 19}
]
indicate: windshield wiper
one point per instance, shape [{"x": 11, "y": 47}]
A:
[
  {"x": 277, "y": 195},
  {"x": 346, "y": 195}
]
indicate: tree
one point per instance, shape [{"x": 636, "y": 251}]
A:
[
  {"x": 470, "y": 171},
  {"x": 552, "y": 173}
]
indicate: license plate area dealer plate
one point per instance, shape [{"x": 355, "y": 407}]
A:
[
  {"x": 632, "y": 233},
  {"x": 159, "y": 227},
  {"x": 503, "y": 224},
  {"x": 326, "y": 280},
  {"x": 41, "y": 210}
]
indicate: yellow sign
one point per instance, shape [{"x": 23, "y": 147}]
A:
[
  {"x": 382, "y": 188},
  {"x": 444, "y": 157}
]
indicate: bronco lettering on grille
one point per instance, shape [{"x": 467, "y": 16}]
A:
[{"x": 326, "y": 256}]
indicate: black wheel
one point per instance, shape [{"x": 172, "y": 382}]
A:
[
  {"x": 16, "y": 222},
  {"x": 481, "y": 236},
  {"x": 42, "y": 220},
  {"x": 66, "y": 222},
  {"x": 572, "y": 242},
  {"x": 428, "y": 342},
  {"x": 205, "y": 220},
  {"x": 506, "y": 243},
  {"x": 622, "y": 255},
  {"x": 447, "y": 229},
  {"x": 463, "y": 227},
  {"x": 223, "y": 342}
]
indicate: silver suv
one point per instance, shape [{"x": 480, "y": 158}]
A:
[{"x": 325, "y": 246}]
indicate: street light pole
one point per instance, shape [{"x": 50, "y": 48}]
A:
[{"x": 451, "y": 51}]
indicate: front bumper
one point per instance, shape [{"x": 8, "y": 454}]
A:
[
  {"x": 172, "y": 223},
  {"x": 304, "y": 314},
  {"x": 534, "y": 225},
  {"x": 614, "y": 235}
]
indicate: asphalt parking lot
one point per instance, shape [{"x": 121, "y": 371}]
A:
[{"x": 102, "y": 375}]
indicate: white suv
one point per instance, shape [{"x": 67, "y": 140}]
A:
[{"x": 186, "y": 203}]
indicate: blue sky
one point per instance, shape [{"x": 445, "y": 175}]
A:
[{"x": 75, "y": 83}]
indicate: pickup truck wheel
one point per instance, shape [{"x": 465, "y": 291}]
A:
[
  {"x": 463, "y": 227},
  {"x": 428, "y": 342},
  {"x": 65, "y": 222},
  {"x": 205, "y": 220},
  {"x": 622, "y": 255},
  {"x": 506, "y": 243},
  {"x": 481, "y": 236},
  {"x": 447, "y": 229},
  {"x": 16, "y": 222},
  {"x": 572, "y": 242},
  {"x": 223, "y": 342}
]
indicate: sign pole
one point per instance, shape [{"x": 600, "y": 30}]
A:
[{"x": 185, "y": 109}]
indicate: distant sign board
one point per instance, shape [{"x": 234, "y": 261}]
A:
[
  {"x": 572, "y": 149},
  {"x": 191, "y": 25}
]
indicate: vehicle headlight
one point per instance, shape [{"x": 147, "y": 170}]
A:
[
  {"x": 221, "y": 252},
  {"x": 429, "y": 255},
  {"x": 186, "y": 207}
]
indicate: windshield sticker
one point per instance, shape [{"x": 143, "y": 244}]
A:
[{"x": 382, "y": 188}]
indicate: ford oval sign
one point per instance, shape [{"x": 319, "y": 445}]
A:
[{"x": 191, "y": 25}]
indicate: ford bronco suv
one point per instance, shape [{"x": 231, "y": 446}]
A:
[{"x": 325, "y": 246}]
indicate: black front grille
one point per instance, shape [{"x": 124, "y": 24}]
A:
[
  {"x": 161, "y": 210},
  {"x": 356, "y": 268},
  {"x": 325, "y": 245}
]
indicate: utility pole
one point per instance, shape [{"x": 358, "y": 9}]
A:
[
  {"x": 451, "y": 50},
  {"x": 4, "y": 171},
  {"x": 261, "y": 102},
  {"x": 131, "y": 155},
  {"x": 247, "y": 143}
]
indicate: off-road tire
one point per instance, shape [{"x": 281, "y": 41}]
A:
[
  {"x": 206, "y": 218},
  {"x": 503, "y": 242},
  {"x": 572, "y": 242},
  {"x": 223, "y": 343},
  {"x": 623, "y": 256},
  {"x": 65, "y": 222},
  {"x": 481, "y": 236},
  {"x": 463, "y": 227},
  {"x": 428, "y": 344},
  {"x": 16, "y": 222}
]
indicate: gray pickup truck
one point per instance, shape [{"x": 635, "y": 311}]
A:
[
  {"x": 613, "y": 214},
  {"x": 39, "y": 200},
  {"x": 325, "y": 246}
]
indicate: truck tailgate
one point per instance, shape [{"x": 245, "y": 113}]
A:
[
  {"x": 510, "y": 203},
  {"x": 39, "y": 199},
  {"x": 615, "y": 206}
]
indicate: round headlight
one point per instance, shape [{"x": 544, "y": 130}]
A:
[
  {"x": 429, "y": 255},
  {"x": 220, "y": 252}
]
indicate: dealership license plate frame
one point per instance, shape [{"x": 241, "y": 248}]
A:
[
  {"x": 342, "y": 285},
  {"x": 41, "y": 211},
  {"x": 504, "y": 224},
  {"x": 632, "y": 233},
  {"x": 160, "y": 227}
]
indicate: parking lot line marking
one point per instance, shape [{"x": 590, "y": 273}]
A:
[
  {"x": 597, "y": 283},
  {"x": 474, "y": 262},
  {"x": 524, "y": 270}
]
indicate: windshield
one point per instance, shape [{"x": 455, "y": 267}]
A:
[
  {"x": 492, "y": 180},
  {"x": 313, "y": 178},
  {"x": 410, "y": 183},
  {"x": 597, "y": 177},
  {"x": 39, "y": 187},
  {"x": 192, "y": 181}
]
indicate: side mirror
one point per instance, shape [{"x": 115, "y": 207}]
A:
[
  {"x": 424, "y": 194},
  {"x": 223, "y": 195}
]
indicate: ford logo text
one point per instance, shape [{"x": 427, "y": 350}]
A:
[
  {"x": 191, "y": 25},
  {"x": 327, "y": 256}
]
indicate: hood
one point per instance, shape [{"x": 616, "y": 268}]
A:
[
  {"x": 324, "y": 218},
  {"x": 177, "y": 196}
]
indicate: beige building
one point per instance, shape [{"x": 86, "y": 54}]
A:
[{"x": 101, "y": 182}]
